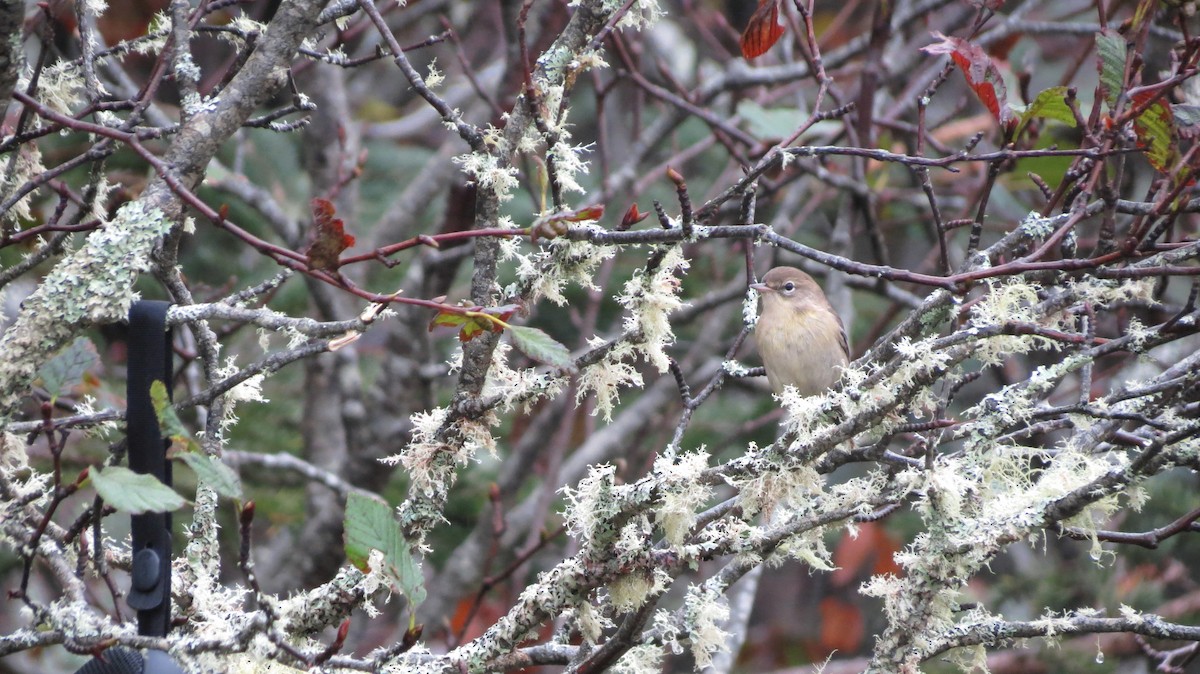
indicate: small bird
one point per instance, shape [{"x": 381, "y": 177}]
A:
[{"x": 800, "y": 337}]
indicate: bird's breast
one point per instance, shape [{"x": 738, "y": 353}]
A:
[{"x": 804, "y": 350}]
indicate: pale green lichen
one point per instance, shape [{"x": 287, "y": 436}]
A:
[
  {"x": 682, "y": 494},
  {"x": 60, "y": 86},
  {"x": 569, "y": 163},
  {"x": 705, "y": 611},
  {"x": 430, "y": 459},
  {"x": 548, "y": 273},
  {"x": 641, "y": 659},
  {"x": 248, "y": 390},
  {"x": 516, "y": 386},
  {"x": 649, "y": 299},
  {"x": 592, "y": 506},
  {"x": 641, "y": 14},
  {"x": 607, "y": 377},
  {"x": 26, "y": 164},
  {"x": 630, "y": 591},
  {"x": 92, "y": 286},
  {"x": 774, "y": 489},
  {"x": 488, "y": 174}
]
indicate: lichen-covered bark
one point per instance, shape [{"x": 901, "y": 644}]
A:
[{"x": 95, "y": 284}]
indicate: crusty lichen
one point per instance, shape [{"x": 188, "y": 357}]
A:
[{"x": 92, "y": 286}]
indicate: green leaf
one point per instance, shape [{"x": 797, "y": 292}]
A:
[
  {"x": 447, "y": 319},
  {"x": 66, "y": 369},
  {"x": 134, "y": 493},
  {"x": 1110, "y": 48},
  {"x": 370, "y": 525},
  {"x": 1155, "y": 130},
  {"x": 541, "y": 347},
  {"x": 168, "y": 421},
  {"x": 213, "y": 472},
  {"x": 1050, "y": 104},
  {"x": 1186, "y": 117},
  {"x": 769, "y": 123}
]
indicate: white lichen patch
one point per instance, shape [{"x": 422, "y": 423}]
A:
[
  {"x": 516, "y": 386},
  {"x": 630, "y": 591},
  {"x": 569, "y": 163},
  {"x": 248, "y": 390},
  {"x": 649, "y": 299},
  {"x": 487, "y": 173},
  {"x": 705, "y": 610},
  {"x": 607, "y": 377},
  {"x": 25, "y": 165},
  {"x": 591, "y": 507},
  {"x": 641, "y": 659},
  {"x": 430, "y": 460},
  {"x": 682, "y": 494},
  {"x": 641, "y": 14},
  {"x": 60, "y": 86},
  {"x": 562, "y": 264}
]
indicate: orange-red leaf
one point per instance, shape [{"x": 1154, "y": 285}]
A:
[
  {"x": 982, "y": 75},
  {"x": 763, "y": 30},
  {"x": 632, "y": 217},
  {"x": 584, "y": 214},
  {"x": 555, "y": 225},
  {"x": 842, "y": 625},
  {"x": 329, "y": 237},
  {"x": 869, "y": 553}
]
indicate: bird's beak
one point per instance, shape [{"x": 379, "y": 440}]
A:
[{"x": 760, "y": 287}]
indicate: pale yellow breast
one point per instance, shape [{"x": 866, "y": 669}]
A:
[{"x": 803, "y": 351}]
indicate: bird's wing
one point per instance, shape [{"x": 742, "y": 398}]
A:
[{"x": 842, "y": 336}]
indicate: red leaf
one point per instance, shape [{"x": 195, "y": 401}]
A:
[
  {"x": 632, "y": 217},
  {"x": 588, "y": 213},
  {"x": 763, "y": 30},
  {"x": 857, "y": 557},
  {"x": 841, "y": 625},
  {"x": 982, "y": 75},
  {"x": 329, "y": 237}
]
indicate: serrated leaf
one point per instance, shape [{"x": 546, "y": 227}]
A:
[
  {"x": 981, "y": 73},
  {"x": 1111, "y": 55},
  {"x": 763, "y": 29},
  {"x": 213, "y": 472},
  {"x": 1050, "y": 104},
  {"x": 1155, "y": 130},
  {"x": 370, "y": 525},
  {"x": 541, "y": 347},
  {"x": 328, "y": 237},
  {"x": 134, "y": 493},
  {"x": 67, "y": 368}
]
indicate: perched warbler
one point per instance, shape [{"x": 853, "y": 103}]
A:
[{"x": 800, "y": 338}]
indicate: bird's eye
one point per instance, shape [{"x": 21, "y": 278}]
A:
[{"x": 789, "y": 286}]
